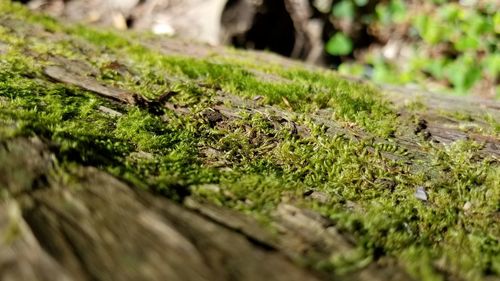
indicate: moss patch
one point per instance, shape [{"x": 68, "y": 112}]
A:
[{"x": 256, "y": 163}]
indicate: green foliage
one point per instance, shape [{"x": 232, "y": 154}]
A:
[
  {"x": 395, "y": 11},
  {"x": 344, "y": 9},
  {"x": 339, "y": 44},
  {"x": 454, "y": 45}
]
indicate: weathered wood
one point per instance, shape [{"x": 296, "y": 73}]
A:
[
  {"x": 67, "y": 75},
  {"x": 306, "y": 233},
  {"x": 91, "y": 226},
  {"x": 21, "y": 257},
  {"x": 439, "y": 129}
]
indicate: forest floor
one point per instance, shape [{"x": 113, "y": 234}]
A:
[{"x": 130, "y": 157}]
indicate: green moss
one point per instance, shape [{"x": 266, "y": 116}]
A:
[
  {"x": 495, "y": 124},
  {"x": 39, "y": 19},
  {"x": 255, "y": 163}
]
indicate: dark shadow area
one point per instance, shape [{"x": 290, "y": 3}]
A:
[{"x": 270, "y": 29}]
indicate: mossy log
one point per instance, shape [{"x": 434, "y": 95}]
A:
[
  {"x": 131, "y": 157},
  {"x": 91, "y": 226}
]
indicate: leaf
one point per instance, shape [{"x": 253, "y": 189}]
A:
[
  {"x": 398, "y": 10},
  {"x": 436, "y": 67},
  {"x": 472, "y": 75},
  {"x": 361, "y": 3},
  {"x": 344, "y": 9},
  {"x": 467, "y": 42},
  {"x": 428, "y": 29},
  {"x": 339, "y": 45},
  {"x": 496, "y": 23},
  {"x": 449, "y": 12},
  {"x": 352, "y": 69},
  {"x": 463, "y": 73},
  {"x": 492, "y": 65},
  {"x": 382, "y": 72}
]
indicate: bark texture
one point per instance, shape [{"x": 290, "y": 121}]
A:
[{"x": 95, "y": 227}]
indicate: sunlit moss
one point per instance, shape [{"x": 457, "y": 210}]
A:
[{"x": 254, "y": 164}]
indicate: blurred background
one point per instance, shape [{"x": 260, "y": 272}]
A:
[{"x": 439, "y": 45}]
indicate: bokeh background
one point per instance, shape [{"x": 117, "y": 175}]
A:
[{"x": 439, "y": 45}]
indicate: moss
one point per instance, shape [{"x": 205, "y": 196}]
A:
[
  {"x": 255, "y": 163},
  {"x": 494, "y": 124}
]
